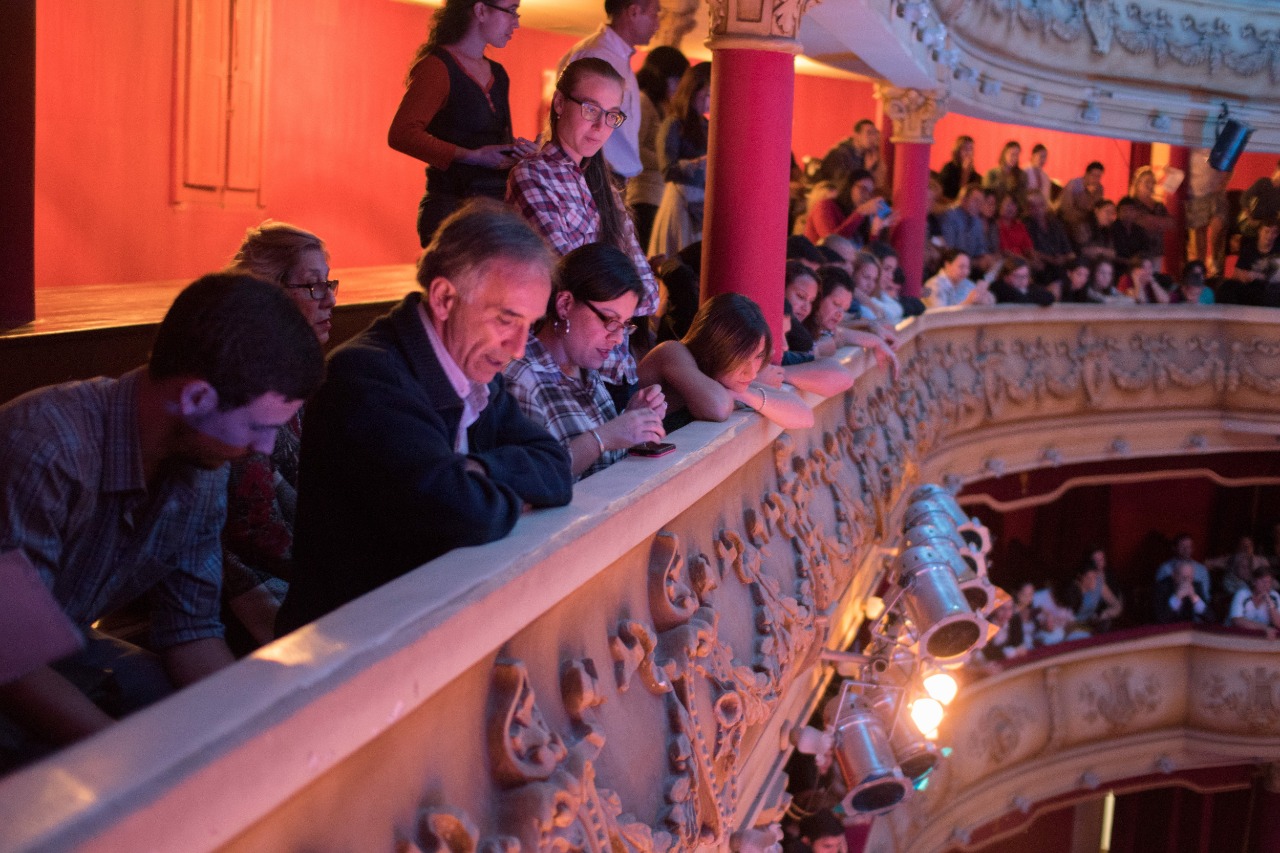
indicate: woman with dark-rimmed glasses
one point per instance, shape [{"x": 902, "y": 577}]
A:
[
  {"x": 566, "y": 193},
  {"x": 454, "y": 115},
  {"x": 557, "y": 382},
  {"x": 257, "y": 541}
]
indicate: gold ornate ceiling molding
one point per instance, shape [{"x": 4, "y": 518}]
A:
[{"x": 1154, "y": 70}]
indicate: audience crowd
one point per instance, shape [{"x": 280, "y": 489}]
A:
[{"x": 551, "y": 336}]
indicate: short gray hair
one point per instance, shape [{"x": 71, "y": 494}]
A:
[{"x": 482, "y": 230}]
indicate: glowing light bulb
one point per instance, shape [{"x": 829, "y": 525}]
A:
[
  {"x": 926, "y": 713},
  {"x": 941, "y": 686}
]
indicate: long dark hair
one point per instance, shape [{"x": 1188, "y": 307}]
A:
[
  {"x": 662, "y": 64},
  {"x": 725, "y": 332},
  {"x": 693, "y": 127},
  {"x": 594, "y": 170},
  {"x": 831, "y": 278},
  {"x": 596, "y": 272},
  {"x": 448, "y": 25}
]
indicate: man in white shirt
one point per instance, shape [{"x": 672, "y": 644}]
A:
[{"x": 631, "y": 24}]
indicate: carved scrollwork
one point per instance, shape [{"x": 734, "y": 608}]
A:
[
  {"x": 522, "y": 746},
  {"x": 1120, "y": 698},
  {"x": 999, "y": 733},
  {"x": 1255, "y": 703},
  {"x": 1143, "y": 29}
]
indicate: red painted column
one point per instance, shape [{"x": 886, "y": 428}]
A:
[
  {"x": 1139, "y": 156},
  {"x": 913, "y": 113},
  {"x": 911, "y": 202},
  {"x": 17, "y": 162},
  {"x": 1175, "y": 243},
  {"x": 744, "y": 229}
]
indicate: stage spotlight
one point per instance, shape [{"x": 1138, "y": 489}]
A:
[
  {"x": 941, "y": 686},
  {"x": 915, "y": 754},
  {"x": 926, "y": 713},
  {"x": 867, "y": 763},
  {"x": 1229, "y": 145},
  {"x": 946, "y": 623}
]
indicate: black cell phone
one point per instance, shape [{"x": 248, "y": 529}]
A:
[
  {"x": 508, "y": 152},
  {"x": 651, "y": 449}
]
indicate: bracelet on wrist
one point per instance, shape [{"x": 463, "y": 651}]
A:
[
  {"x": 599, "y": 441},
  {"x": 764, "y": 398}
]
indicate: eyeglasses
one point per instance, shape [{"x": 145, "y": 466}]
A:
[
  {"x": 611, "y": 325},
  {"x": 317, "y": 290},
  {"x": 592, "y": 112},
  {"x": 510, "y": 11}
]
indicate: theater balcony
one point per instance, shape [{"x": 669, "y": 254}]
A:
[{"x": 625, "y": 673}]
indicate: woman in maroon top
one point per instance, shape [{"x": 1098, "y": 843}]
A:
[{"x": 454, "y": 115}]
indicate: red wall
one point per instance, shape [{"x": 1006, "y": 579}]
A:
[
  {"x": 104, "y": 134},
  {"x": 104, "y": 118}
]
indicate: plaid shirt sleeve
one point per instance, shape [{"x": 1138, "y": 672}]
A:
[{"x": 542, "y": 192}]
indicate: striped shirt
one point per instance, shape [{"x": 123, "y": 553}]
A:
[{"x": 73, "y": 499}]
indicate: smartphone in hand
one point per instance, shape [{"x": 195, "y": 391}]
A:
[{"x": 652, "y": 449}]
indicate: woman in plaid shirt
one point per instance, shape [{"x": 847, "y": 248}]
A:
[
  {"x": 557, "y": 383},
  {"x": 565, "y": 190}
]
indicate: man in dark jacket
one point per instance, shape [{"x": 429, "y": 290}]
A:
[{"x": 413, "y": 447}]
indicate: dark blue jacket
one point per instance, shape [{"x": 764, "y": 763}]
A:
[{"x": 380, "y": 488}]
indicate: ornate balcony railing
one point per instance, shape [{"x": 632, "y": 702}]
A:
[
  {"x": 625, "y": 671},
  {"x": 1151, "y": 705}
]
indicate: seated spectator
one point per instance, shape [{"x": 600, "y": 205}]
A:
[
  {"x": 116, "y": 488},
  {"x": 804, "y": 371},
  {"x": 959, "y": 172},
  {"x": 1101, "y": 235},
  {"x": 1077, "y": 201},
  {"x": 1237, "y": 567},
  {"x": 824, "y": 832},
  {"x": 722, "y": 364},
  {"x": 262, "y": 493},
  {"x": 1007, "y": 178},
  {"x": 1092, "y": 603},
  {"x": 801, "y": 248},
  {"x": 826, "y": 322},
  {"x": 678, "y": 302},
  {"x": 952, "y": 286},
  {"x": 860, "y": 151},
  {"x": 1013, "y": 285},
  {"x": 1076, "y": 277},
  {"x": 1142, "y": 285},
  {"x": 851, "y": 213},
  {"x": 1184, "y": 551},
  {"x": 1131, "y": 241},
  {"x": 1260, "y": 203},
  {"x": 839, "y": 251},
  {"x": 801, "y": 291},
  {"x": 1037, "y": 179},
  {"x": 1152, "y": 216},
  {"x": 883, "y": 298},
  {"x": 1192, "y": 288},
  {"x": 1051, "y": 248},
  {"x": 1102, "y": 285},
  {"x": 1053, "y": 618},
  {"x": 557, "y": 383},
  {"x": 1257, "y": 609},
  {"x": 964, "y": 228},
  {"x": 1259, "y": 258},
  {"x": 1179, "y": 598},
  {"x": 1016, "y": 636},
  {"x": 890, "y": 299},
  {"x": 1014, "y": 239},
  {"x": 566, "y": 192},
  {"x": 866, "y": 290},
  {"x": 413, "y": 446}
]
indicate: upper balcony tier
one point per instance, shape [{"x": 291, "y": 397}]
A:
[{"x": 626, "y": 670}]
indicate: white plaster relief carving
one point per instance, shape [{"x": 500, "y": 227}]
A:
[
  {"x": 999, "y": 733},
  {"x": 1120, "y": 698},
  {"x": 776, "y": 19},
  {"x": 1254, "y": 702},
  {"x": 913, "y": 111},
  {"x": 1140, "y": 29}
]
